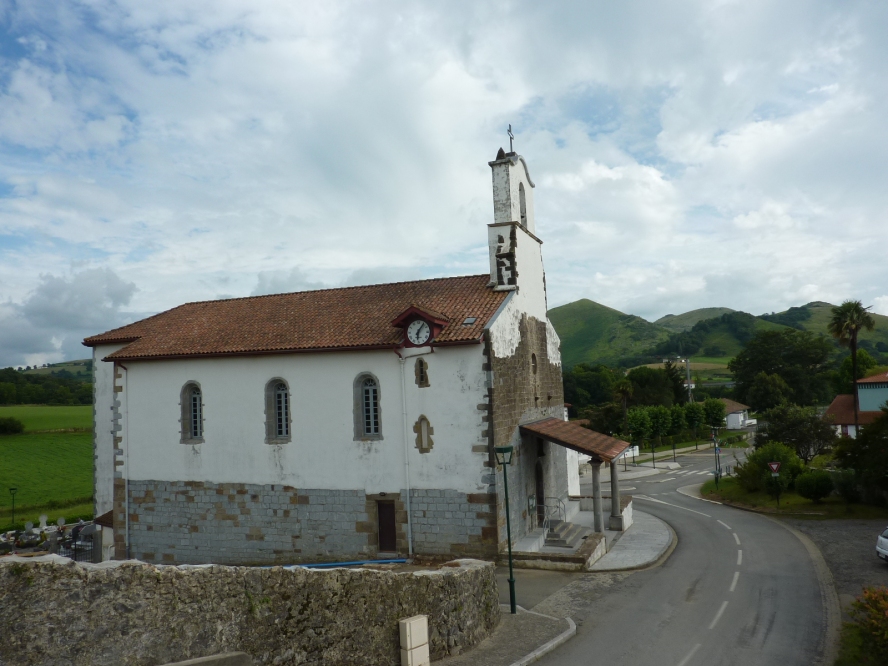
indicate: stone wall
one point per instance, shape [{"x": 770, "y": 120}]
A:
[
  {"x": 53, "y": 611},
  {"x": 193, "y": 522},
  {"x": 520, "y": 395}
]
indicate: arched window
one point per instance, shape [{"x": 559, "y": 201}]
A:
[
  {"x": 522, "y": 202},
  {"x": 277, "y": 411},
  {"x": 191, "y": 402},
  {"x": 368, "y": 421},
  {"x": 533, "y": 363},
  {"x": 421, "y": 373}
]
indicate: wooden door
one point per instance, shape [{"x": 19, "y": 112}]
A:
[{"x": 388, "y": 542}]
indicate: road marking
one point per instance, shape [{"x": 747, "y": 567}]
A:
[
  {"x": 725, "y": 524},
  {"x": 718, "y": 615},
  {"x": 704, "y": 472},
  {"x": 690, "y": 656},
  {"x": 736, "y": 538},
  {"x": 671, "y": 478},
  {"x": 739, "y": 557},
  {"x": 734, "y": 582},
  {"x": 651, "y": 499}
]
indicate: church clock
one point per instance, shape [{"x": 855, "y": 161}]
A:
[{"x": 418, "y": 332}]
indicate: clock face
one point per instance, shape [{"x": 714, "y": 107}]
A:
[{"x": 418, "y": 332}]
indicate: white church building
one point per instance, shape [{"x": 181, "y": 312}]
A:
[{"x": 341, "y": 424}]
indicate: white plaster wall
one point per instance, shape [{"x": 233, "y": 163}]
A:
[
  {"x": 573, "y": 472},
  {"x": 103, "y": 438},
  {"x": 530, "y": 298},
  {"x": 322, "y": 453},
  {"x": 508, "y": 175}
]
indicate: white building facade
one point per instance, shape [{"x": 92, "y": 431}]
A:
[{"x": 338, "y": 424}]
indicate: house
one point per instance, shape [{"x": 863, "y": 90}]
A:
[
  {"x": 872, "y": 395},
  {"x": 343, "y": 424},
  {"x": 737, "y": 415}
]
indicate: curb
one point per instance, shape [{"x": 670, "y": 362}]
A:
[
  {"x": 644, "y": 566},
  {"x": 546, "y": 648}
]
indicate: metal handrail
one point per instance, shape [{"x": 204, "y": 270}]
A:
[{"x": 551, "y": 510}]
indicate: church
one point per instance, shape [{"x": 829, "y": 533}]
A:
[{"x": 342, "y": 424}]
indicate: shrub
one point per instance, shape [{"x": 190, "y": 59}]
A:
[
  {"x": 846, "y": 485},
  {"x": 870, "y": 613},
  {"x": 814, "y": 485},
  {"x": 753, "y": 474},
  {"x": 11, "y": 426}
]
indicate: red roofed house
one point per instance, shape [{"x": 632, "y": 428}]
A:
[
  {"x": 341, "y": 423},
  {"x": 872, "y": 395}
]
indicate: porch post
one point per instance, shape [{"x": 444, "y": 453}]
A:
[
  {"x": 616, "y": 518},
  {"x": 596, "y": 494}
]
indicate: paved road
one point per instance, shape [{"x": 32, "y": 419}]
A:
[{"x": 739, "y": 589}]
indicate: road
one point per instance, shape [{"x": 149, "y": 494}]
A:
[{"x": 738, "y": 589}]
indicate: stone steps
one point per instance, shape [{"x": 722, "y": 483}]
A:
[{"x": 563, "y": 534}]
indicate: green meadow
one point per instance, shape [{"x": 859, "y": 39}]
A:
[{"x": 51, "y": 464}]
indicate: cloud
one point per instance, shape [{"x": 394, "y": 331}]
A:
[
  {"x": 685, "y": 156},
  {"x": 51, "y": 322}
]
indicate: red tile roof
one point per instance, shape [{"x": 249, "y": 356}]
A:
[
  {"x": 841, "y": 409},
  {"x": 576, "y": 437},
  {"x": 329, "y": 319},
  {"x": 881, "y": 378},
  {"x": 732, "y": 406}
]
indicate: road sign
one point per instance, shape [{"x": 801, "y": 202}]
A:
[
  {"x": 775, "y": 466},
  {"x": 718, "y": 449}
]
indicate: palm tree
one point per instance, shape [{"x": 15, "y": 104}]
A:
[
  {"x": 623, "y": 391},
  {"x": 847, "y": 321}
]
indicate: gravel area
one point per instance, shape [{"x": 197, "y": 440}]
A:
[{"x": 849, "y": 548}]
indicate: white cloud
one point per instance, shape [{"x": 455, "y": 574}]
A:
[{"x": 688, "y": 155}]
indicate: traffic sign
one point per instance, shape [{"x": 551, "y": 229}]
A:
[
  {"x": 775, "y": 466},
  {"x": 718, "y": 449}
]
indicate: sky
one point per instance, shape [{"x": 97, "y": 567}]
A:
[{"x": 686, "y": 154}]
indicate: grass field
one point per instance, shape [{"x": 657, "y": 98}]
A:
[
  {"x": 44, "y": 417},
  {"x": 53, "y": 471},
  {"x": 790, "y": 503}
]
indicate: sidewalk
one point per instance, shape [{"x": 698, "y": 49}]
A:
[{"x": 523, "y": 638}]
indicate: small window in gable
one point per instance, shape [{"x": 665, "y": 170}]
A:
[
  {"x": 368, "y": 421},
  {"x": 277, "y": 412},
  {"x": 191, "y": 403},
  {"x": 421, "y": 373}
]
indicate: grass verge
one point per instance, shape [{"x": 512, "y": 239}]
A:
[
  {"x": 791, "y": 503},
  {"x": 46, "y": 417}
]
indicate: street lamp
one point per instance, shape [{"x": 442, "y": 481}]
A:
[
  {"x": 13, "y": 491},
  {"x": 504, "y": 458}
]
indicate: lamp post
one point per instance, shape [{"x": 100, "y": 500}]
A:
[
  {"x": 13, "y": 491},
  {"x": 504, "y": 458},
  {"x": 715, "y": 449}
]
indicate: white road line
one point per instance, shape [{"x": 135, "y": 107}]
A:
[
  {"x": 651, "y": 499},
  {"x": 705, "y": 472},
  {"x": 736, "y": 538},
  {"x": 684, "y": 662},
  {"x": 724, "y": 524},
  {"x": 734, "y": 582},
  {"x": 718, "y": 615},
  {"x": 739, "y": 557}
]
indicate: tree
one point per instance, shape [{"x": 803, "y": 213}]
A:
[
  {"x": 622, "y": 393},
  {"x": 867, "y": 455},
  {"x": 677, "y": 380},
  {"x": 799, "y": 358},
  {"x": 694, "y": 416},
  {"x": 587, "y": 385},
  {"x": 650, "y": 387},
  {"x": 639, "y": 425},
  {"x": 754, "y": 474},
  {"x": 847, "y": 320},
  {"x": 714, "y": 413},
  {"x": 800, "y": 428},
  {"x": 677, "y": 419},
  {"x": 661, "y": 419},
  {"x": 844, "y": 379},
  {"x": 767, "y": 391}
]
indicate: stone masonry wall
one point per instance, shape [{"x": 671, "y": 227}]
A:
[
  {"x": 53, "y": 611},
  {"x": 520, "y": 395},
  {"x": 192, "y": 522}
]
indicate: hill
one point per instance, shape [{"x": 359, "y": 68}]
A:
[
  {"x": 815, "y": 317},
  {"x": 686, "y": 321},
  {"x": 80, "y": 369},
  {"x": 594, "y": 333}
]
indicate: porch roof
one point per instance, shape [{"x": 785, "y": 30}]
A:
[{"x": 571, "y": 435}]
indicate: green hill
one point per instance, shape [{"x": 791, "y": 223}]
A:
[
  {"x": 686, "y": 321},
  {"x": 594, "y": 333},
  {"x": 815, "y": 317}
]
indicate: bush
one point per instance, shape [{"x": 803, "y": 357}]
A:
[
  {"x": 11, "y": 426},
  {"x": 870, "y": 613},
  {"x": 847, "y": 486},
  {"x": 753, "y": 475},
  {"x": 814, "y": 485}
]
